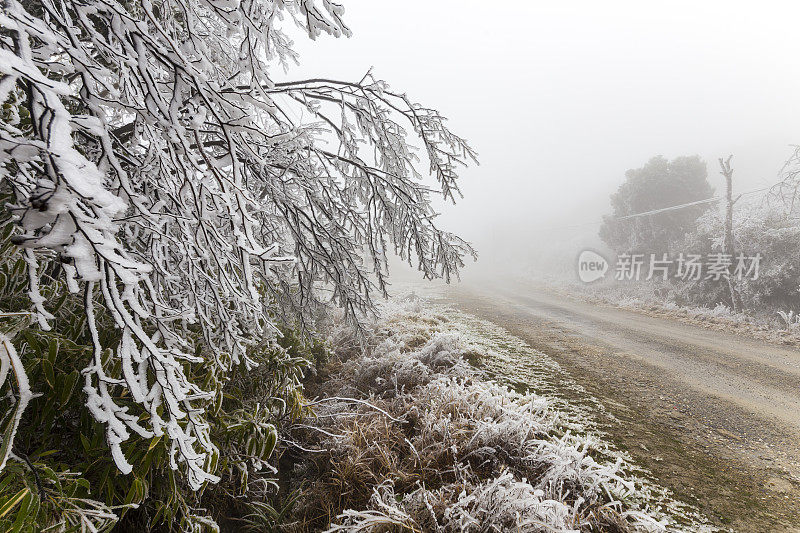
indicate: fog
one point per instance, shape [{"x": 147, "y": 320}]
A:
[{"x": 560, "y": 99}]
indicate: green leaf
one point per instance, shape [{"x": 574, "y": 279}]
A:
[
  {"x": 70, "y": 380},
  {"x": 22, "y": 513},
  {"x": 52, "y": 351},
  {"x": 6, "y": 232},
  {"x": 5, "y": 482},
  {"x": 8, "y": 432},
  {"x": 135, "y": 493},
  {"x": 271, "y": 442},
  {"x": 86, "y": 444},
  {"x": 11, "y": 503},
  {"x": 45, "y": 454},
  {"x": 49, "y": 374},
  {"x": 153, "y": 442}
]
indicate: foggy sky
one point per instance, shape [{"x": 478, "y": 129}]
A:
[{"x": 561, "y": 98}]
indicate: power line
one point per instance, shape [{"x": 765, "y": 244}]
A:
[
  {"x": 670, "y": 208},
  {"x": 661, "y": 210}
]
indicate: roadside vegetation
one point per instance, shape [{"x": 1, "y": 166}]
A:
[
  {"x": 176, "y": 214},
  {"x": 413, "y": 436},
  {"x": 767, "y": 301}
]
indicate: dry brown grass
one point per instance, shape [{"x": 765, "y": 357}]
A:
[{"x": 435, "y": 448}]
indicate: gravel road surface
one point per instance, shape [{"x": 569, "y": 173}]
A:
[{"x": 715, "y": 416}]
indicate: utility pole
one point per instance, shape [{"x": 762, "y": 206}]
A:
[{"x": 728, "y": 247}]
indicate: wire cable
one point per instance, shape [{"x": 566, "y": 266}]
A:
[{"x": 663, "y": 209}]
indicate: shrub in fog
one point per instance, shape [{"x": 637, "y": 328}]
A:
[{"x": 758, "y": 228}]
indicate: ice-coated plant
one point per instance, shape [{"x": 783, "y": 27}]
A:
[
  {"x": 448, "y": 450},
  {"x": 791, "y": 320},
  {"x": 162, "y": 167}
]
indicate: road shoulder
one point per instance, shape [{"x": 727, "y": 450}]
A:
[{"x": 666, "y": 428}]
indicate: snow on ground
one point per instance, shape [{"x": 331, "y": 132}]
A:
[{"x": 463, "y": 428}]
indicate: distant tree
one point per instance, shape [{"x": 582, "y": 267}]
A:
[{"x": 658, "y": 184}]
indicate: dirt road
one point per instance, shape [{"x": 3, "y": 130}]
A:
[{"x": 714, "y": 416}]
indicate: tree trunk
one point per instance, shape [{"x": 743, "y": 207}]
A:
[{"x": 728, "y": 245}]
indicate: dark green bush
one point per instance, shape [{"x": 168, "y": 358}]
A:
[{"x": 61, "y": 472}]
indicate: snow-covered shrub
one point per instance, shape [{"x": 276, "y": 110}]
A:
[
  {"x": 791, "y": 320},
  {"x": 758, "y": 228},
  {"x": 395, "y": 365},
  {"x": 450, "y": 453},
  {"x": 157, "y": 167}
]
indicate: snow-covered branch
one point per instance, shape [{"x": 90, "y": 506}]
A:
[
  {"x": 160, "y": 170},
  {"x": 10, "y": 361}
]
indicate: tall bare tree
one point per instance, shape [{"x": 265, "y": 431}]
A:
[{"x": 728, "y": 242}]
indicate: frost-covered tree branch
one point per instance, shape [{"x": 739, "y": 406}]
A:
[
  {"x": 161, "y": 172},
  {"x": 10, "y": 361}
]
